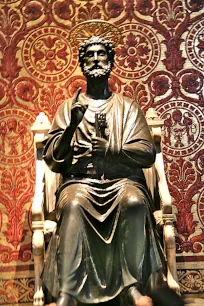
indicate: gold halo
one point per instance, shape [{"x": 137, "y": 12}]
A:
[{"x": 95, "y": 27}]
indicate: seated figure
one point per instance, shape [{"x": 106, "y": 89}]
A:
[{"x": 105, "y": 244}]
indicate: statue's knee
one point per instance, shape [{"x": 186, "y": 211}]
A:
[
  {"x": 71, "y": 204},
  {"x": 133, "y": 200}
]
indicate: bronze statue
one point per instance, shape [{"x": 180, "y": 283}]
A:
[{"x": 106, "y": 244}]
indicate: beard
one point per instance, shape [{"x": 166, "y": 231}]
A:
[{"x": 97, "y": 71}]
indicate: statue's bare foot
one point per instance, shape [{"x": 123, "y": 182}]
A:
[
  {"x": 64, "y": 299},
  {"x": 144, "y": 301}
]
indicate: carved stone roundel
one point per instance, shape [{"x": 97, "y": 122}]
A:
[
  {"x": 47, "y": 55},
  {"x": 139, "y": 51},
  {"x": 183, "y": 130}
]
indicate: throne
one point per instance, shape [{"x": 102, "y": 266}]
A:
[{"x": 44, "y": 202}]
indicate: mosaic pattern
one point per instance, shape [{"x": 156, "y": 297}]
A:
[
  {"x": 138, "y": 53},
  {"x": 159, "y": 63},
  {"x": 16, "y": 143},
  {"x": 194, "y": 45},
  {"x": 47, "y": 55},
  {"x": 191, "y": 281},
  {"x": 14, "y": 291},
  {"x": 200, "y": 208},
  {"x": 183, "y": 130}
]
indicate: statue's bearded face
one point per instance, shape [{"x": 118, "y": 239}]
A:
[{"x": 96, "y": 61}]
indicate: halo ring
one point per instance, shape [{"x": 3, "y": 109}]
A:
[{"x": 94, "y": 27}]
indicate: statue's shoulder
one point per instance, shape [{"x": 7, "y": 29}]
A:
[{"x": 126, "y": 101}]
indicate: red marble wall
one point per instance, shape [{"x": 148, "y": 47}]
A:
[{"x": 159, "y": 62}]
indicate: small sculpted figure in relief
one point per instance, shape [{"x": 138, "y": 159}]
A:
[{"x": 105, "y": 245}]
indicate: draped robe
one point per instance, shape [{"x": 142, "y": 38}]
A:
[{"x": 106, "y": 239}]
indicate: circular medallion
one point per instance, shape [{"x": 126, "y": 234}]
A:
[
  {"x": 139, "y": 51},
  {"x": 200, "y": 207},
  {"x": 194, "y": 45},
  {"x": 16, "y": 141},
  {"x": 47, "y": 55},
  {"x": 183, "y": 129}
]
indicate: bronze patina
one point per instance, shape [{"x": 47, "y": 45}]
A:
[{"x": 106, "y": 244}]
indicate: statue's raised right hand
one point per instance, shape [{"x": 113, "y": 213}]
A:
[{"x": 77, "y": 111}]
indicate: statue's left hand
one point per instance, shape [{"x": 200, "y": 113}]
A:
[{"x": 99, "y": 145}]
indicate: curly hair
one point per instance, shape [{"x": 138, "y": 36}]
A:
[{"x": 95, "y": 40}]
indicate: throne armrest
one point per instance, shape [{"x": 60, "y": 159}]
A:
[
  {"x": 43, "y": 204},
  {"x": 155, "y": 124},
  {"x": 40, "y": 129},
  {"x": 166, "y": 214}
]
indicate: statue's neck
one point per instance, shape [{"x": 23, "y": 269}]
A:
[{"x": 97, "y": 88}]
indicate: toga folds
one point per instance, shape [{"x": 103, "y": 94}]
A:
[{"x": 105, "y": 239}]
